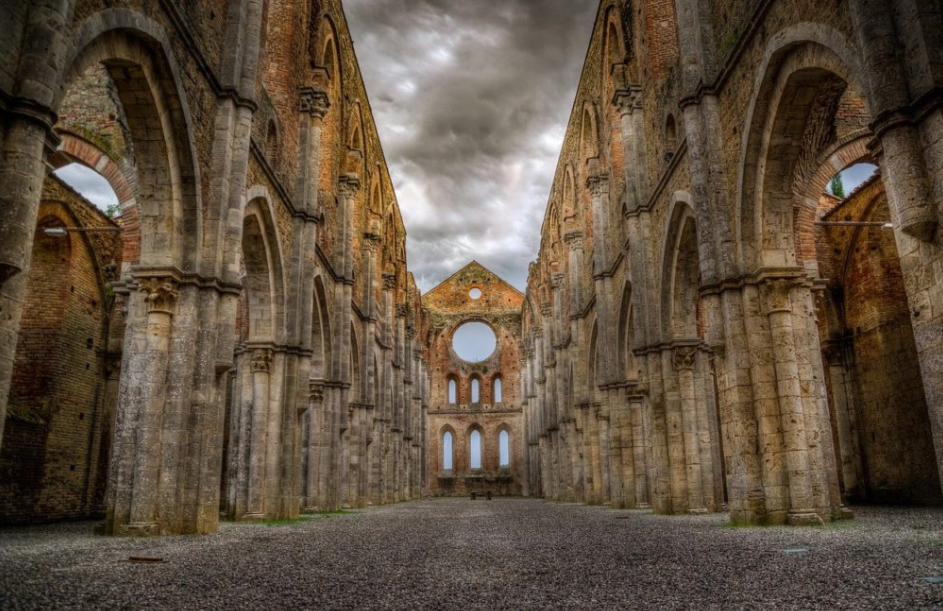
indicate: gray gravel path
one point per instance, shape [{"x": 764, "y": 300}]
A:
[{"x": 506, "y": 554}]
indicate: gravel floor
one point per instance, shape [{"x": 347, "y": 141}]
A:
[{"x": 506, "y": 554}]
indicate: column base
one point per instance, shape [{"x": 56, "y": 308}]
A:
[
  {"x": 253, "y": 517},
  {"x": 697, "y": 511},
  {"x": 138, "y": 529},
  {"x": 844, "y": 513},
  {"x": 804, "y": 518}
]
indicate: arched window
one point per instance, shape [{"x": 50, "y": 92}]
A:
[
  {"x": 475, "y": 391},
  {"x": 497, "y": 390},
  {"x": 504, "y": 449},
  {"x": 271, "y": 143},
  {"x": 671, "y": 138},
  {"x": 453, "y": 391},
  {"x": 474, "y": 450},
  {"x": 447, "y": 451}
]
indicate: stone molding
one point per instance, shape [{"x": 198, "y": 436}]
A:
[
  {"x": 348, "y": 185},
  {"x": 161, "y": 293},
  {"x": 261, "y": 360},
  {"x": 313, "y": 102},
  {"x": 628, "y": 100},
  {"x": 684, "y": 358}
]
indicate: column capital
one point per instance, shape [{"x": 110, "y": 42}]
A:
[
  {"x": 598, "y": 184},
  {"x": 261, "y": 360},
  {"x": 348, "y": 185},
  {"x": 389, "y": 282},
  {"x": 161, "y": 293},
  {"x": 316, "y": 391},
  {"x": 684, "y": 358},
  {"x": 774, "y": 294},
  {"x": 546, "y": 308},
  {"x": 402, "y": 310},
  {"x": 314, "y": 102},
  {"x": 556, "y": 282},
  {"x": 371, "y": 241},
  {"x": 574, "y": 239},
  {"x": 628, "y": 100}
]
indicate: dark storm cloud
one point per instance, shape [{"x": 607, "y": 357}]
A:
[{"x": 471, "y": 99}]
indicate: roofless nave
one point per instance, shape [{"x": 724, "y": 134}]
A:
[{"x": 704, "y": 326}]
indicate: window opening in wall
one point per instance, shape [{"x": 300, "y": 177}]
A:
[
  {"x": 474, "y": 342},
  {"x": 475, "y": 450},
  {"x": 504, "y": 449},
  {"x": 497, "y": 390},
  {"x": 849, "y": 179},
  {"x": 671, "y": 138},
  {"x": 475, "y": 293},
  {"x": 92, "y": 186},
  {"x": 475, "y": 391},
  {"x": 447, "y": 451},
  {"x": 453, "y": 391}
]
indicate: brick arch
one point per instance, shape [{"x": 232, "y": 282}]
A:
[
  {"x": 833, "y": 160},
  {"x": 137, "y": 54},
  {"x": 804, "y": 57},
  {"x": 84, "y": 152}
]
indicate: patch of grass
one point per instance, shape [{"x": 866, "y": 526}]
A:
[{"x": 326, "y": 515}]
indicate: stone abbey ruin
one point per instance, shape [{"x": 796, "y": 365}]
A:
[{"x": 705, "y": 328}]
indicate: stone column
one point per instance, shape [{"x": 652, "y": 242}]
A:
[
  {"x": 261, "y": 369},
  {"x": 160, "y": 296},
  {"x": 685, "y": 361},
  {"x": 28, "y": 118},
  {"x": 638, "y": 476},
  {"x": 795, "y": 451},
  {"x": 629, "y": 103},
  {"x": 317, "y": 445}
]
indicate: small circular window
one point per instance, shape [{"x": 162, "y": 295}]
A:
[
  {"x": 475, "y": 293},
  {"x": 474, "y": 342}
]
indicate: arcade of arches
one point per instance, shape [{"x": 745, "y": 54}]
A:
[{"x": 705, "y": 327}]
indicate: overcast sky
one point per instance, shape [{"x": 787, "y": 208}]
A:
[{"x": 471, "y": 99}]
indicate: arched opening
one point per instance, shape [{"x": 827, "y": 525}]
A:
[
  {"x": 671, "y": 138},
  {"x": 317, "y": 422},
  {"x": 474, "y": 449},
  {"x": 629, "y": 366},
  {"x": 685, "y": 300},
  {"x": 453, "y": 390},
  {"x": 475, "y": 391},
  {"x": 151, "y": 132},
  {"x": 497, "y": 390},
  {"x": 808, "y": 120},
  {"x": 271, "y": 143},
  {"x": 254, "y": 419},
  {"x": 447, "y": 451},
  {"x": 879, "y": 412},
  {"x": 504, "y": 449}
]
